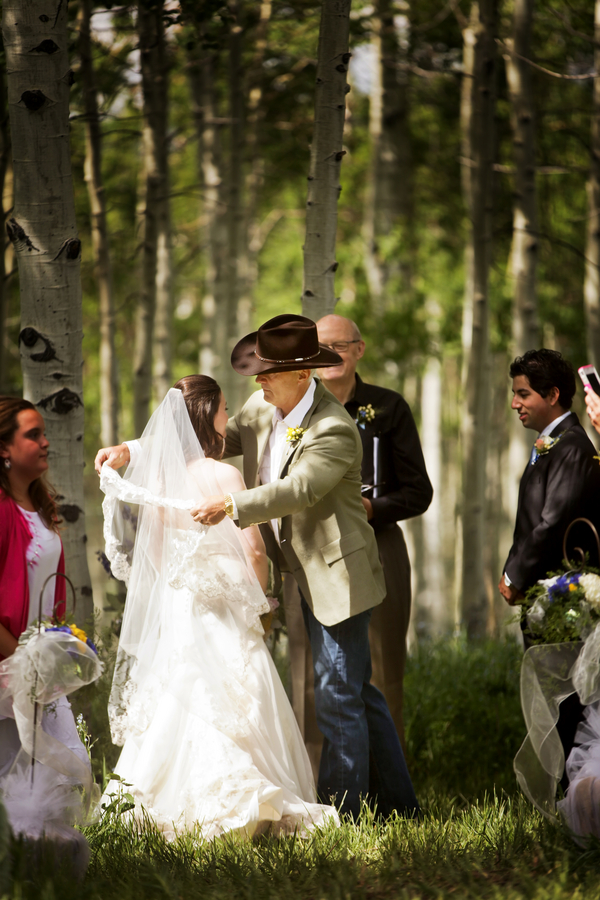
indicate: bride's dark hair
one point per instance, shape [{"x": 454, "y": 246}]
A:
[{"x": 202, "y": 396}]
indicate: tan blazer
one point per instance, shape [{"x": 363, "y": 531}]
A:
[{"x": 326, "y": 540}]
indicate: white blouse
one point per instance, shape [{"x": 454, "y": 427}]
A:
[{"x": 43, "y": 555}]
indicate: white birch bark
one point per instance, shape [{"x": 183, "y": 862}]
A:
[
  {"x": 254, "y": 179},
  {"x": 477, "y": 119},
  {"x": 232, "y": 384},
  {"x": 326, "y": 152},
  {"x": 524, "y": 250},
  {"x": 389, "y": 195},
  {"x": 155, "y": 81},
  {"x": 591, "y": 290},
  {"x": 214, "y": 359},
  {"x": 434, "y": 599},
  {"x": 48, "y": 251},
  {"x": 154, "y": 314},
  {"x": 109, "y": 387}
]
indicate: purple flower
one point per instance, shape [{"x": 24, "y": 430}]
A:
[
  {"x": 103, "y": 560},
  {"x": 559, "y": 588}
]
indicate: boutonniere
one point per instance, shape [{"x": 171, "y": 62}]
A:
[
  {"x": 294, "y": 435},
  {"x": 544, "y": 445},
  {"x": 365, "y": 414}
]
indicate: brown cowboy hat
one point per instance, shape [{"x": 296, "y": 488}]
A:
[{"x": 283, "y": 344}]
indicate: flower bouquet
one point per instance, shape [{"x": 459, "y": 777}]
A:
[{"x": 564, "y": 607}]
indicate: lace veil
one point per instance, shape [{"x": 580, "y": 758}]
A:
[{"x": 184, "y": 580}]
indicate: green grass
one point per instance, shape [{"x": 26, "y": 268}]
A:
[{"x": 478, "y": 837}]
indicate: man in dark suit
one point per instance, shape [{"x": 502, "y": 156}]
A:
[
  {"x": 399, "y": 488},
  {"x": 562, "y": 478},
  {"x": 561, "y": 483}
]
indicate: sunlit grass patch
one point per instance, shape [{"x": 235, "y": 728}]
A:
[{"x": 477, "y": 837}]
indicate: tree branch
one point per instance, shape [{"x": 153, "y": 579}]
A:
[{"x": 542, "y": 69}]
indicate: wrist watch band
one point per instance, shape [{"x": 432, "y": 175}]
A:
[{"x": 229, "y": 506}]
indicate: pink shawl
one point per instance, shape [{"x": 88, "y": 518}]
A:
[{"x": 14, "y": 583}]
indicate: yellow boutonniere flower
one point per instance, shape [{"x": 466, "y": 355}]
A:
[
  {"x": 365, "y": 414},
  {"x": 294, "y": 435}
]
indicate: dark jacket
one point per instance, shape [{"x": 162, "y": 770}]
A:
[
  {"x": 405, "y": 490},
  {"x": 564, "y": 484}
]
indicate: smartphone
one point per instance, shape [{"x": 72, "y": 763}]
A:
[{"x": 589, "y": 376}]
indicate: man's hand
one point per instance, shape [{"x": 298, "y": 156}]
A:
[
  {"x": 592, "y": 401},
  {"x": 510, "y": 594},
  {"x": 114, "y": 456},
  {"x": 368, "y": 507},
  {"x": 211, "y": 511}
]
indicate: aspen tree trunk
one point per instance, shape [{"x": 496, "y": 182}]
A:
[
  {"x": 213, "y": 356},
  {"x": 524, "y": 250},
  {"x": 155, "y": 81},
  {"x": 389, "y": 194},
  {"x": 109, "y": 387},
  {"x": 48, "y": 250},
  {"x": 5, "y": 162},
  {"x": 477, "y": 119},
  {"x": 233, "y": 384},
  {"x": 255, "y": 174},
  {"x": 318, "y": 296},
  {"x": 154, "y": 318},
  {"x": 434, "y": 598},
  {"x": 591, "y": 290}
]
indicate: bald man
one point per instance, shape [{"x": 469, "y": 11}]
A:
[{"x": 398, "y": 488}]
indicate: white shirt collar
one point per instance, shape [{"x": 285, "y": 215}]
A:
[
  {"x": 553, "y": 424},
  {"x": 296, "y": 415},
  {"x": 547, "y": 430}
]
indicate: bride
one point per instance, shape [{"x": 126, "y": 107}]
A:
[{"x": 209, "y": 738}]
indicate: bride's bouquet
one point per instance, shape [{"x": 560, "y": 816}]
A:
[{"x": 564, "y": 607}]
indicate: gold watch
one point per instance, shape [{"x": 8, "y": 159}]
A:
[{"x": 229, "y": 505}]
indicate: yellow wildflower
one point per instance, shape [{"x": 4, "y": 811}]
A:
[{"x": 78, "y": 633}]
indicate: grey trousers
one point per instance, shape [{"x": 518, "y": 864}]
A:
[{"x": 387, "y": 637}]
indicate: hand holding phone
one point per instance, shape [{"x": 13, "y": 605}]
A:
[{"x": 590, "y": 377}]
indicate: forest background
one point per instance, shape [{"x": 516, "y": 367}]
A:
[{"x": 465, "y": 233}]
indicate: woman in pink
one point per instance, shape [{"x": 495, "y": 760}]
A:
[{"x": 30, "y": 551}]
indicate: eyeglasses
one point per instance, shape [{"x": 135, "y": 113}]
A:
[{"x": 341, "y": 346}]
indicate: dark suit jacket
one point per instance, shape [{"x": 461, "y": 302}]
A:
[
  {"x": 406, "y": 490},
  {"x": 564, "y": 484}
]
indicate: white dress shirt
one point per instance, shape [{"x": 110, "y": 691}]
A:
[{"x": 272, "y": 458}]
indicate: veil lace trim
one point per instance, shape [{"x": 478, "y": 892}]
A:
[{"x": 184, "y": 581}]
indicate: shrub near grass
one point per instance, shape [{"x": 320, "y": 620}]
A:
[{"x": 463, "y": 716}]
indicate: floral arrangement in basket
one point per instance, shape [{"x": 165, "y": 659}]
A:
[
  {"x": 563, "y": 607},
  {"x": 48, "y": 626}
]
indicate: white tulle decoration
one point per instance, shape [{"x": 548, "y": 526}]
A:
[{"x": 39, "y": 791}]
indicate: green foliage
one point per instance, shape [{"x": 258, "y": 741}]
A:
[{"x": 463, "y": 716}]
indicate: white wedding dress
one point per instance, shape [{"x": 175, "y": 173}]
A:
[{"x": 209, "y": 738}]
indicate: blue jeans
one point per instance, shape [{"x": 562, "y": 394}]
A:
[{"x": 362, "y": 755}]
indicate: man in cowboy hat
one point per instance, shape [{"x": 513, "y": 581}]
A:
[{"x": 302, "y": 467}]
